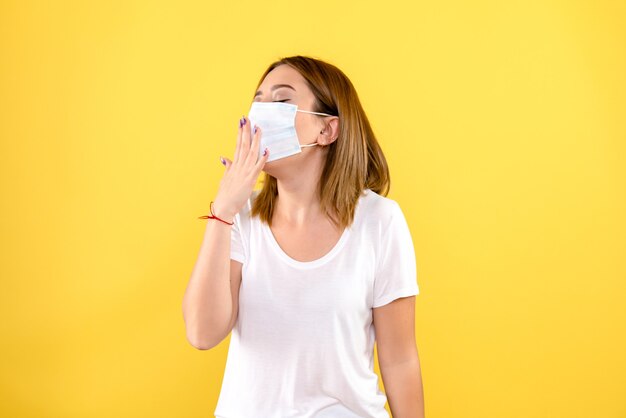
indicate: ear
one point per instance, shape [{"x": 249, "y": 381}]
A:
[{"x": 329, "y": 134}]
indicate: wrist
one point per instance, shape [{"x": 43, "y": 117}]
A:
[{"x": 223, "y": 213}]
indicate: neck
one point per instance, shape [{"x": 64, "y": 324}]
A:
[{"x": 297, "y": 202}]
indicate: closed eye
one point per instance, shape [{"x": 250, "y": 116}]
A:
[{"x": 281, "y": 101}]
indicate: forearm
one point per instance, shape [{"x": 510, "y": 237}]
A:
[
  {"x": 207, "y": 304},
  {"x": 404, "y": 390}
]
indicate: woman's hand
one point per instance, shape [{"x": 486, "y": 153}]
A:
[{"x": 241, "y": 174}]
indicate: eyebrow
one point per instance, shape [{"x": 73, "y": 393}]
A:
[{"x": 274, "y": 87}]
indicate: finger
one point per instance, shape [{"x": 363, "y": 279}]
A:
[
  {"x": 259, "y": 165},
  {"x": 238, "y": 145},
  {"x": 245, "y": 140},
  {"x": 253, "y": 154},
  {"x": 227, "y": 163}
]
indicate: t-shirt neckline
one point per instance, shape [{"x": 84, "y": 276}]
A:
[{"x": 305, "y": 264}]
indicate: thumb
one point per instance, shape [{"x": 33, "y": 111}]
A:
[{"x": 227, "y": 163}]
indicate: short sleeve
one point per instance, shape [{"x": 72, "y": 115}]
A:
[
  {"x": 236, "y": 241},
  {"x": 396, "y": 272}
]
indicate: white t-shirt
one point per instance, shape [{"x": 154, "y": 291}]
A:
[{"x": 303, "y": 343}]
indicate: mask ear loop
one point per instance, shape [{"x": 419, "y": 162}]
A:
[
  {"x": 313, "y": 144},
  {"x": 322, "y": 131},
  {"x": 315, "y": 113}
]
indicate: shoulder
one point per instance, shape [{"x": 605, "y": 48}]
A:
[
  {"x": 375, "y": 214},
  {"x": 374, "y": 207}
]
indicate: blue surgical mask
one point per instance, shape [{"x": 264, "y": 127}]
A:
[{"x": 278, "y": 130}]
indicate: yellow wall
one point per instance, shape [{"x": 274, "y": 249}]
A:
[{"x": 503, "y": 124}]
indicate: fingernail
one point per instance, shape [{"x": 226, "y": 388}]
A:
[
  {"x": 254, "y": 130},
  {"x": 222, "y": 160},
  {"x": 265, "y": 152},
  {"x": 244, "y": 120},
  {"x": 240, "y": 122}
]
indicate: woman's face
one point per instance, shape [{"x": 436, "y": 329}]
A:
[{"x": 285, "y": 84}]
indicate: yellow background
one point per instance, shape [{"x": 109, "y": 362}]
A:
[{"x": 502, "y": 122}]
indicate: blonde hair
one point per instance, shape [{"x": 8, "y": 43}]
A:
[{"x": 354, "y": 162}]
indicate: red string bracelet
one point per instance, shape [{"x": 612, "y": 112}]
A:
[{"x": 214, "y": 217}]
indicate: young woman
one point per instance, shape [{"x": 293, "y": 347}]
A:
[{"x": 312, "y": 269}]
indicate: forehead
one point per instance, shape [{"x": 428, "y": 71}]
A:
[{"x": 283, "y": 74}]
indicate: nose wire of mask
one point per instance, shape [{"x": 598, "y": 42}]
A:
[{"x": 278, "y": 129}]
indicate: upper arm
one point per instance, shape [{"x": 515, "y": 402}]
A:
[
  {"x": 235, "y": 283},
  {"x": 396, "y": 269},
  {"x": 394, "y": 325}
]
